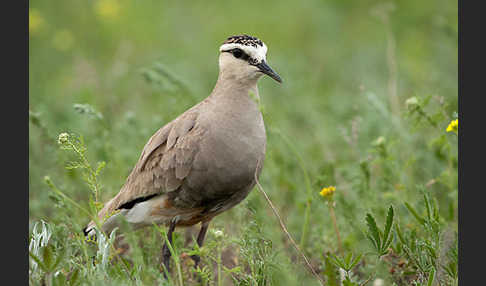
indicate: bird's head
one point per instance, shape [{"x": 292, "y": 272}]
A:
[{"x": 243, "y": 58}]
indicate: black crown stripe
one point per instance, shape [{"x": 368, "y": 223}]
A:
[{"x": 244, "y": 40}]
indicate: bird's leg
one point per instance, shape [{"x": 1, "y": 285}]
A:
[
  {"x": 165, "y": 248},
  {"x": 200, "y": 240}
]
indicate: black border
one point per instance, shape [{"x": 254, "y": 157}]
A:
[
  {"x": 471, "y": 160},
  {"x": 15, "y": 138}
]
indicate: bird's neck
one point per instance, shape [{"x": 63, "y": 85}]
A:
[{"x": 231, "y": 85}]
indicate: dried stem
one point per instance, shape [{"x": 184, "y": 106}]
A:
[
  {"x": 305, "y": 225},
  {"x": 282, "y": 225}
]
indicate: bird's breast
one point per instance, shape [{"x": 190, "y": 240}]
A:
[
  {"x": 232, "y": 148},
  {"x": 238, "y": 140}
]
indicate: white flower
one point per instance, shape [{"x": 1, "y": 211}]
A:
[
  {"x": 39, "y": 239},
  {"x": 379, "y": 141},
  {"x": 378, "y": 282},
  {"x": 63, "y": 138},
  {"x": 411, "y": 102},
  {"x": 218, "y": 233}
]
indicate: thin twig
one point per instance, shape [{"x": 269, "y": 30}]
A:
[
  {"x": 307, "y": 185},
  {"x": 282, "y": 225},
  {"x": 366, "y": 282}
]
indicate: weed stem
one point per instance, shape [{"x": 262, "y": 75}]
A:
[{"x": 282, "y": 225}]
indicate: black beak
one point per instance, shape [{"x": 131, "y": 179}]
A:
[{"x": 266, "y": 69}]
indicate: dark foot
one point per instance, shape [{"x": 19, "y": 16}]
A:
[
  {"x": 200, "y": 241},
  {"x": 165, "y": 249},
  {"x": 196, "y": 259},
  {"x": 166, "y": 259}
]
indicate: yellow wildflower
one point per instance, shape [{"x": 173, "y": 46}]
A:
[
  {"x": 35, "y": 21},
  {"x": 453, "y": 126},
  {"x": 107, "y": 9},
  {"x": 327, "y": 192}
]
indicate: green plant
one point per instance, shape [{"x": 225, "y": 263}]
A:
[
  {"x": 257, "y": 257},
  {"x": 424, "y": 251},
  {"x": 346, "y": 263},
  {"x": 380, "y": 239}
]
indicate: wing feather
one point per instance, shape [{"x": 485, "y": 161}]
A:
[{"x": 164, "y": 163}]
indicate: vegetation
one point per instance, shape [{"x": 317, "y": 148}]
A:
[{"x": 361, "y": 157}]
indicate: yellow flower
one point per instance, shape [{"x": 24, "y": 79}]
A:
[
  {"x": 35, "y": 21},
  {"x": 107, "y": 9},
  {"x": 327, "y": 192},
  {"x": 453, "y": 126}
]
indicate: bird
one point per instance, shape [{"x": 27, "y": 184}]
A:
[{"x": 206, "y": 160}]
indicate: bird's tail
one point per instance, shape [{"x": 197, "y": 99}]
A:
[
  {"x": 107, "y": 224},
  {"x": 146, "y": 211},
  {"x": 137, "y": 213}
]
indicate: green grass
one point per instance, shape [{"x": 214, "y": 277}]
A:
[{"x": 113, "y": 72}]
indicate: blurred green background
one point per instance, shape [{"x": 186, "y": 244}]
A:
[{"x": 348, "y": 68}]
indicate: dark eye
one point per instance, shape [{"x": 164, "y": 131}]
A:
[{"x": 237, "y": 53}]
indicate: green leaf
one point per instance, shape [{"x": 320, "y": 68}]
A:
[
  {"x": 347, "y": 282},
  {"x": 38, "y": 261},
  {"x": 356, "y": 260},
  {"x": 414, "y": 213},
  {"x": 330, "y": 271},
  {"x": 427, "y": 207},
  {"x": 101, "y": 166},
  {"x": 48, "y": 259},
  {"x": 60, "y": 280},
  {"x": 413, "y": 243},
  {"x": 431, "y": 277},
  {"x": 347, "y": 260},
  {"x": 373, "y": 230},
  {"x": 336, "y": 261},
  {"x": 451, "y": 269},
  {"x": 400, "y": 235},
  {"x": 59, "y": 257},
  {"x": 431, "y": 250},
  {"x": 74, "y": 277},
  {"x": 388, "y": 243},
  {"x": 436, "y": 210},
  {"x": 236, "y": 269},
  {"x": 373, "y": 241},
  {"x": 388, "y": 226}
]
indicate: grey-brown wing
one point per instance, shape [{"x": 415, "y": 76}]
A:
[{"x": 164, "y": 163}]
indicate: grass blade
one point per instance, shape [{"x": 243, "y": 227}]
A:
[{"x": 431, "y": 277}]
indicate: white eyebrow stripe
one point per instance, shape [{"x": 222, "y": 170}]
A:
[{"x": 258, "y": 53}]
